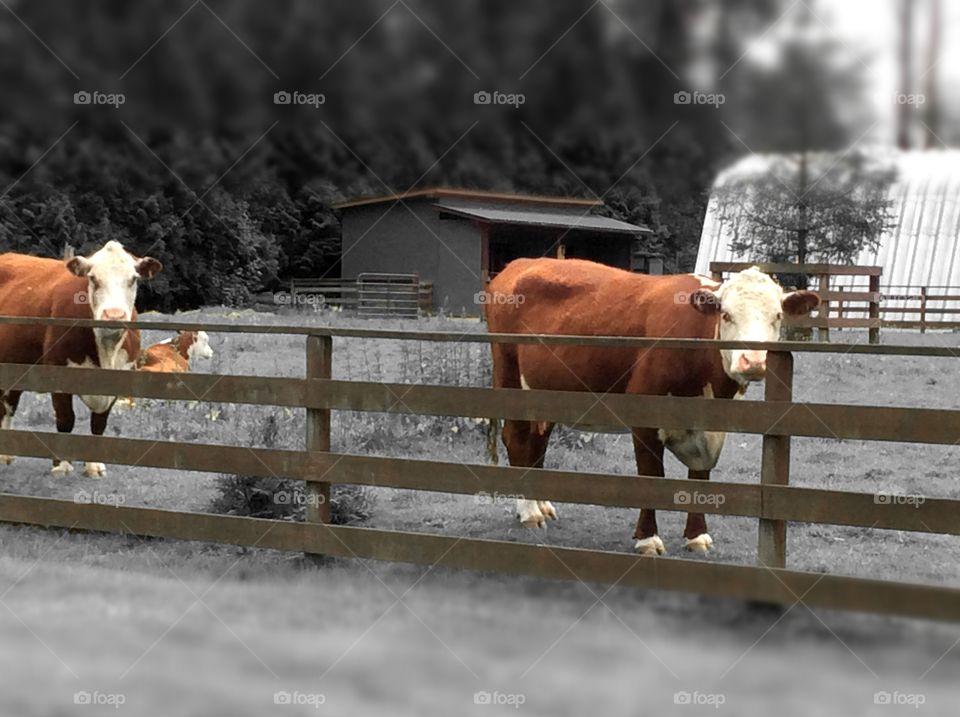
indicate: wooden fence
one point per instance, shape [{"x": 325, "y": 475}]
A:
[
  {"x": 773, "y": 501},
  {"x": 866, "y": 301},
  {"x": 916, "y": 307},
  {"x": 374, "y": 295}
]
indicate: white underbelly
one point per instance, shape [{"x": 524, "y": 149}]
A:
[
  {"x": 697, "y": 450},
  {"x": 101, "y": 404}
]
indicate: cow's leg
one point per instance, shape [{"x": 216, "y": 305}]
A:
[
  {"x": 698, "y": 539},
  {"x": 98, "y": 424},
  {"x": 9, "y": 401},
  {"x": 699, "y": 451},
  {"x": 63, "y": 408},
  {"x": 649, "y": 453},
  {"x": 526, "y": 443}
]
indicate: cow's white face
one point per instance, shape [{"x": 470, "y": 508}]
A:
[
  {"x": 751, "y": 307},
  {"x": 200, "y": 348},
  {"x": 112, "y": 274}
]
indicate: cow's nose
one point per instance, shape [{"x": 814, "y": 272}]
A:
[
  {"x": 114, "y": 315},
  {"x": 752, "y": 364}
]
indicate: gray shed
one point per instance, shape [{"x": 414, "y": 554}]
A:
[{"x": 459, "y": 238}]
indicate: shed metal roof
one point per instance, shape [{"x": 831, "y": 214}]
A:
[
  {"x": 540, "y": 217},
  {"x": 475, "y": 194},
  {"x": 922, "y": 248}
]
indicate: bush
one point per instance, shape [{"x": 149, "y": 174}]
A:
[{"x": 283, "y": 499}]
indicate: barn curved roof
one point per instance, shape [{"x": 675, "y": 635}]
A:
[{"x": 922, "y": 249}]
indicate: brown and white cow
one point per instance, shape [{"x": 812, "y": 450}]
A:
[
  {"x": 171, "y": 356},
  {"x": 102, "y": 286},
  {"x": 175, "y": 355},
  {"x": 551, "y": 296}
]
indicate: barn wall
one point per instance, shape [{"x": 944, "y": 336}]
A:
[{"x": 445, "y": 252}]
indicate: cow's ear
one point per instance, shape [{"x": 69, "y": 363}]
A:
[
  {"x": 148, "y": 267},
  {"x": 705, "y": 301},
  {"x": 799, "y": 303},
  {"x": 79, "y": 266}
]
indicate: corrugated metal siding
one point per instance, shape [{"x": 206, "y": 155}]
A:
[{"x": 923, "y": 249}]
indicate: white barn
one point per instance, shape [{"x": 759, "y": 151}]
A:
[{"x": 921, "y": 250}]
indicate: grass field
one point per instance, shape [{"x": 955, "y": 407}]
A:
[{"x": 118, "y": 616}]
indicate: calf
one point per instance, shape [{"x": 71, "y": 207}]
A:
[
  {"x": 550, "y": 296},
  {"x": 174, "y": 355},
  {"x": 102, "y": 286}
]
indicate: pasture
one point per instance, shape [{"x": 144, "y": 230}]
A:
[{"x": 283, "y": 623}]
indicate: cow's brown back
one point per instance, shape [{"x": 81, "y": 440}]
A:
[{"x": 569, "y": 296}]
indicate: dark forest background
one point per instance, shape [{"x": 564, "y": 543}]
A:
[{"x": 232, "y": 192}]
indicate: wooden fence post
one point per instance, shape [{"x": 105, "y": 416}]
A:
[
  {"x": 823, "y": 332},
  {"x": 875, "y": 308},
  {"x": 319, "y": 365},
  {"x": 923, "y": 309},
  {"x": 775, "y": 466},
  {"x": 840, "y": 290}
]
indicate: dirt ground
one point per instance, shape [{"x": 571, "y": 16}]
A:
[{"x": 117, "y": 616}]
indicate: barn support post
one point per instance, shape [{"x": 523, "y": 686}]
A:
[
  {"x": 923, "y": 309},
  {"x": 875, "y": 309},
  {"x": 775, "y": 466},
  {"x": 319, "y": 365}
]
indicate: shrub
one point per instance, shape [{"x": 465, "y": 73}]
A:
[{"x": 284, "y": 499}]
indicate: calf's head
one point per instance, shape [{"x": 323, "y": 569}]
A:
[
  {"x": 112, "y": 275},
  {"x": 750, "y": 306},
  {"x": 194, "y": 345}
]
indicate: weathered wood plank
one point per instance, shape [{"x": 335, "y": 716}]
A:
[
  {"x": 741, "y": 582},
  {"x": 787, "y": 268},
  {"x": 919, "y": 425},
  {"x": 486, "y": 483},
  {"x": 488, "y": 338}
]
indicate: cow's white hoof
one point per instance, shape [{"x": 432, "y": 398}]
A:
[
  {"x": 7, "y": 460},
  {"x": 528, "y": 511},
  {"x": 97, "y": 470},
  {"x": 62, "y": 468},
  {"x": 547, "y": 509},
  {"x": 701, "y": 544},
  {"x": 650, "y": 546}
]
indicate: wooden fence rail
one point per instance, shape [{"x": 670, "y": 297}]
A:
[{"x": 773, "y": 501}]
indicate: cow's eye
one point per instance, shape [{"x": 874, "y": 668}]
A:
[
  {"x": 727, "y": 317},
  {"x": 780, "y": 316}
]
